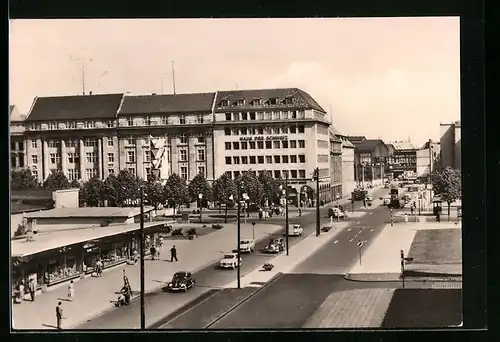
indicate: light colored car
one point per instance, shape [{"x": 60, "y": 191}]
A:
[
  {"x": 337, "y": 213},
  {"x": 247, "y": 245},
  {"x": 295, "y": 230},
  {"x": 230, "y": 260},
  {"x": 369, "y": 198}
]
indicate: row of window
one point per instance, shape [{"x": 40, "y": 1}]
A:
[
  {"x": 293, "y": 174},
  {"x": 265, "y": 130},
  {"x": 258, "y": 102},
  {"x": 259, "y": 116},
  {"x": 93, "y": 142},
  {"x": 147, "y": 121},
  {"x": 285, "y": 159},
  {"x": 275, "y": 144}
]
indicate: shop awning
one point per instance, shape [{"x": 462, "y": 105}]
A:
[{"x": 58, "y": 239}]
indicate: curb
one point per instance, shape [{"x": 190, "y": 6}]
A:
[
  {"x": 276, "y": 276},
  {"x": 112, "y": 307},
  {"x": 444, "y": 279}
]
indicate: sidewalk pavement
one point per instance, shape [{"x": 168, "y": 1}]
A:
[
  {"x": 352, "y": 309},
  {"x": 94, "y": 296},
  {"x": 285, "y": 263},
  {"x": 381, "y": 261}
]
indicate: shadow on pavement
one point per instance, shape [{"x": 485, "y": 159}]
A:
[{"x": 424, "y": 308}]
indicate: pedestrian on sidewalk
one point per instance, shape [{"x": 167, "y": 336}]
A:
[
  {"x": 125, "y": 278},
  {"x": 158, "y": 251},
  {"x": 71, "y": 291},
  {"x": 135, "y": 256},
  {"x": 153, "y": 252},
  {"x": 19, "y": 296},
  {"x": 300, "y": 212},
  {"x": 31, "y": 287},
  {"x": 406, "y": 217},
  {"x": 98, "y": 267},
  {"x": 59, "y": 315},
  {"x": 411, "y": 209},
  {"x": 173, "y": 254},
  {"x": 260, "y": 214}
]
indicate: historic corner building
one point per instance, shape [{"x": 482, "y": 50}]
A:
[{"x": 277, "y": 130}]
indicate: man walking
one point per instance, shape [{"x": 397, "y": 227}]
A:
[
  {"x": 59, "y": 315},
  {"x": 173, "y": 254},
  {"x": 31, "y": 287}
]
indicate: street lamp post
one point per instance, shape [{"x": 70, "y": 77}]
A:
[
  {"x": 200, "y": 197},
  {"x": 141, "y": 241},
  {"x": 238, "y": 237},
  {"x": 285, "y": 192},
  {"x": 253, "y": 231}
]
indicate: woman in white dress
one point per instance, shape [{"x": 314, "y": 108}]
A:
[{"x": 71, "y": 291}]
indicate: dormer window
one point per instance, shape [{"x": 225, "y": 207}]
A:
[
  {"x": 240, "y": 102},
  {"x": 224, "y": 103},
  {"x": 288, "y": 100},
  {"x": 257, "y": 102},
  {"x": 273, "y": 101}
]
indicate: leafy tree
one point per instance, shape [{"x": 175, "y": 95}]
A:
[
  {"x": 251, "y": 186},
  {"x": 447, "y": 184},
  {"x": 271, "y": 186},
  {"x": 175, "y": 191},
  {"x": 92, "y": 192},
  {"x": 75, "y": 184},
  {"x": 23, "y": 179},
  {"x": 199, "y": 185},
  {"x": 110, "y": 191},
  {"x": 222, "y": 189},
  {"x": 57, "y": 180},
  {"x": 128, "y": 188},
  {"x": 153, "y": 191}
]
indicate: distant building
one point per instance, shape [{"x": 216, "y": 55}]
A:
[
  {"x": 17, "y": 145},
  {"x": 427, "y": 155},
  {"x": 370, "y": 160},
  {"x": 356, "y": 139},
  {"x": 336, "y": 170},
  {"x": 451, "y": 145},
  {"x": 348, "y": 167},
  {"x": 402, "y": 158}
]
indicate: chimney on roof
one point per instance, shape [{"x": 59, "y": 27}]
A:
[{"x": 90, "y": 92}]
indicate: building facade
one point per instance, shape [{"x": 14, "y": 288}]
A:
[
  {"x": 276, "y": 130},
  {"x": 427, "y": 155},
  {"x": 17, "y": 145},
  {"x": 370, "y": 157},
  {"x": 402, "y": 158},
  {"x": 451, "y": 145},
  {"x": 348, "y": 167},
  {"x": 336, "y": 173}
]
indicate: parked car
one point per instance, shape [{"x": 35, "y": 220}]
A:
[
  {"x": 230, "y": 260},
  {"x": 326, "y": 228},
  {"x": 338, "y": 213},
  {"x": 295, "y": 230},
  {"x": 247, "y": 245},
  {"x": 181, "y": 281},
  {"x": 275, "y": 245}
]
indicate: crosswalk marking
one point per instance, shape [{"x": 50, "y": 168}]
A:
[{"x": 336, "y": 241}]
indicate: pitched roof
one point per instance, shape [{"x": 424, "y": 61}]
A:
[
  {"x": 81, "y": 107},
  {"x": 333, "y": 137},
  {"x": 368, "y": 145},
  {"x": 12, "y": 108},
  {"x": 300, "y": 99},
  {"x": 356, "y": 139},
  {"x": 178, "y": 103},
  {"x": 347, "y": 143},
  {"x": 403, "y": 145}
]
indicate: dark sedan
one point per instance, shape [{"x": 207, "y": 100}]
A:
[{"x": 181, "y": 281}]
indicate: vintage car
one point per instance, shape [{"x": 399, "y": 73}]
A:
[
  {"x": 230, "y": 260},
  {"x": 181, "y": 281},
  {"x": 336, "y": 212},
  {"x": 275, "y": 245},
  {"x": 247, "y": 245},
  {"x": 295, "y": 230}
]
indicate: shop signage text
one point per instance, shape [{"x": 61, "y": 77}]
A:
[{"x": 272, "y": 137}]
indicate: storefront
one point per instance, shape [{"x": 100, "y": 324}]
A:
[{"x": 57, "y": 265}]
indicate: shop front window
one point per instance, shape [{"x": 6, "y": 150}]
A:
[
  {"x": 91, "y": 255},
  {"x": 55, "y": 269},
  {"x": 122, "y": 251},
  {"x": 108, "y": 253},
  {"x": 71, "y": 268}
]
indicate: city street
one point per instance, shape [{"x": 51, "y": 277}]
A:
[{"x": 161, "y": 304}]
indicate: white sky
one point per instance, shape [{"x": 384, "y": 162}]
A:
[{"x": 383, "y": 77}]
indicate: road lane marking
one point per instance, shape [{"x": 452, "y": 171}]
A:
[
  {"x": 371, "y": 230},
  {"x": 370, "y": 213},
  {"x": 351, "y": 240},
  {"x": 358, "y": 222},
  {"x": 336, "y": 241},
  {"x": 349, "y": 229}
]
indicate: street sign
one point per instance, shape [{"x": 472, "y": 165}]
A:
[{"x": 360, "y": 244}]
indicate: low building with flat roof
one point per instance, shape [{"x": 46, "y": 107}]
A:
[{"x": 74, "y": 218}]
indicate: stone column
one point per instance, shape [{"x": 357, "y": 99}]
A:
[
  {"x": 192, "y": 156},
  {"x": 45, "y": 156},
  {"x": 174, "y": 155},
  {"x": 64, "y": 167},
  {"x": 209, "y": 153},
  {"x": 100, "y": 158},
  {"x": 139, "y": 145},
  {"x": 82, "y": 159}
]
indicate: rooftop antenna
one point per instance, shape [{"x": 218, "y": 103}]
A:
[
  {"x": 173, "y": 76},
  {"x": 161, "y": 86},
  {"x": 82, "y": 66}
]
